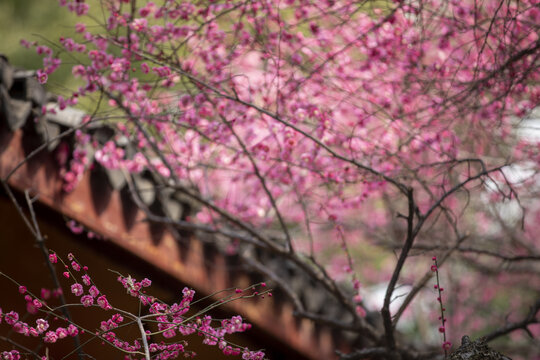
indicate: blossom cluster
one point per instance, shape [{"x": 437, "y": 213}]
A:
[
  {"x": 10, "y": 355},
  {"x": 39, "y": 329},
  {"x": 253, "y": 111},
  {"x": 171, "y": 319}
]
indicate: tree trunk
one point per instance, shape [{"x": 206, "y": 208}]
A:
[{"x": 476, "y": 350}]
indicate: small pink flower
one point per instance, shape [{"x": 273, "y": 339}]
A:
[
  {"x": 22, "y": 328},
  {"x": 446, "y": 345},
  {"x": 139, "y": 24},
  {"x": 144, "y": 300},
  {"x": 45, "y": 293},
  {"x": 78, "y": 8},
  {"x": 169, "y": 333},
  {"x": 73, "y": 225},
  {"x": 252, "y": 355},
  {"x": 31, "y": 308},
  {"x": 78, "y": 70},
  {"x": 57, "y": 292},
  {"x": 26, "y": 43},
  {"x": 42, "y": 49},
  {"x": 86, "y": 280},
  {"x": 87, "y": 300},
  {"x": 144, "y": 12},
  {"x": 37, "y": 303},
  {"x": 93, "y": 291},
  {"x": 72, "y": 330},
  {"x": 80, "y": 27},
  {"x": 61, "y": 332},
  {"x": 103, "y": 303},
  {"x": 75, "y": 266},
  {"x": 22, "y": 289},
  {"x": 10, "y": 355},
  {"x": 11, "y": 317},
  {"x": 50, "y": 337},
  {"x": 77, "y": 289},
  {"x": 441, "y": 329},
  {"x": 52, "y": 258},
  {"x": 360, "y": 311},
  {"x": 117, "y": 318},
  {"x": 41, "y": 325},
  {"x": 66, "y": 274},
  {"x": 42, "y": 76}
]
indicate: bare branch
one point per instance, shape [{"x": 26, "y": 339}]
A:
[{"x": 531, "y": 318}]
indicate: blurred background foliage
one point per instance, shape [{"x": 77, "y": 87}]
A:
[
  {"x": 44, "y": 22},
  {"x": 33, "y": 20}
]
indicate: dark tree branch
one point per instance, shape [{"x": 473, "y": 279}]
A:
[
  {"x": 531, "y": 318},
  {"x": 466, "y": 249},
  {"x": 365, "y": 353},
  {"x": 385, "y": 311}
]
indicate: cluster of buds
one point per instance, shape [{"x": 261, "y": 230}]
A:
[{"x": 442, "y": 329}]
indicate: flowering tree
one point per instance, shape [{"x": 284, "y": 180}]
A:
[
  {"x": 331, "y": 134},
  {"x": 161, "y": 320}
]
